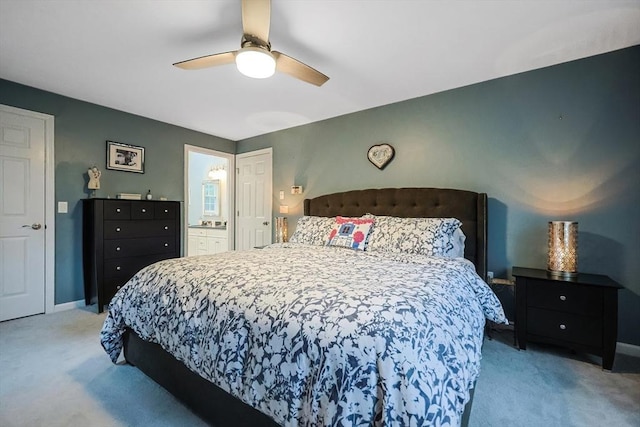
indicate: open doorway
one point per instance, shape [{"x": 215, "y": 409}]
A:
[{"x": 209, "y": 201}]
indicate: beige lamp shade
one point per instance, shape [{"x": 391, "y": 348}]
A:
[
  {"x": 563, "y": 248},
  {"x": 282, "y": 230}
]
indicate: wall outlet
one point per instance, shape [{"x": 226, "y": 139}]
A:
[{"x": 489, "y": 276}]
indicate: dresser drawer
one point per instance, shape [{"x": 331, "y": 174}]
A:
[
  {"x": 117, "y": 209},
  {"x": 111, "y": 286},
  {"x": 142, "y": 210},
  {"x": 141, "y": 228},
  {"x": 125, "y": 268},
  {"x": 119, "y": 248},
  {"x": 565, "y": 297},
  {"x": 165, "y": 210},
  {"x": 568, "y": 327}
]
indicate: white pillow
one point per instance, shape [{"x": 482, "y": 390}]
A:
[
  {"x": 425, "y": 236},
  {"x": 458, "y": 244},
  {"x": 312, "y": 230}
]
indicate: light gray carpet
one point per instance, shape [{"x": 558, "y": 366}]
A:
[{"x": 53, "y": 372}]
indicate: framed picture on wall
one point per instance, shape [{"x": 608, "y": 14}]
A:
[{"x": 125, "y": 157}]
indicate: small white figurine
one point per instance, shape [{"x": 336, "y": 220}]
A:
[{"x": 94, "y": 178}]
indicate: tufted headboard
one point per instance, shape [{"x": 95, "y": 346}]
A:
[{"x": 468, "y": 206}]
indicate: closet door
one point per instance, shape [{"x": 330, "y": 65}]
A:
[{"x": 253, "y": 200}]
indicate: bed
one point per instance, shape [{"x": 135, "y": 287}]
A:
[{"x": 308, "y": 334}]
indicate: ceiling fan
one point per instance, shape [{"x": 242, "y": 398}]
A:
[{"x": 255, "y": 57}]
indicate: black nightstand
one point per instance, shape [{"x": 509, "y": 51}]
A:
[{"x": 578, "y": 312}]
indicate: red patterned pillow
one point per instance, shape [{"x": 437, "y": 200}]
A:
[{"x": 351, "y": 232}]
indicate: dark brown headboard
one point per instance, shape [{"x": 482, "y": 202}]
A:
[{"x": 468, "y": 206}]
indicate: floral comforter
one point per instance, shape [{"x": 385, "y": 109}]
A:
[{"x": 314, "y": 335}]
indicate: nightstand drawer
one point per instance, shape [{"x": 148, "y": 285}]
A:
[
  {"x": 565, "y": 297},
  {"x": 571, "y": 328}
]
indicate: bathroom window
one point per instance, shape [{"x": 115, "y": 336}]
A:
[{"x": 211, "y": 198}]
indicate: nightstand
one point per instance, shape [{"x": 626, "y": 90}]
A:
[{"x": 578, "y": 312}]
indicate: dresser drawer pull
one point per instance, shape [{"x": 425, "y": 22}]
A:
[
  {"x": 166, "y": 211},
  {"x": 118, "y": 210},
  {"x": 166, "y": 227},
  {"x": 118, "y": 268},
  {"x": 118, "y": 249},
  {"x": 563, "y": 298},
  {"x": 144, "y": 210},
  {"x": 563, "y": 327},
  {"x": 117, "y": 229},
  {"x": 118, "y": 287},
  {"x": 166, "y": 245}
]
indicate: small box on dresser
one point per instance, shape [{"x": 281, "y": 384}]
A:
[
  {"x": 579, "y": 312},
  {"x": 120, "y": 237}
]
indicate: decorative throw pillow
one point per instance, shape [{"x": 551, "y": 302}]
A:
[
  {"x": 351, "y": 232},
  {"x": 312, "y": 230},
  {"x": 425, "y": 236}
]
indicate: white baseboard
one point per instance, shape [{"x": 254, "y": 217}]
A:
[
  {"x": 68, "y": 305},
  {"x": 628, "y": 349}
]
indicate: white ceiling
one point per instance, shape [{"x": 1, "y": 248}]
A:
[{"x": 119, "y": 53}]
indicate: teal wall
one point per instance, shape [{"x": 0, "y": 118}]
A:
[
  {"x": 81, "y": 132},
  {"x": 556, "y": 143}
]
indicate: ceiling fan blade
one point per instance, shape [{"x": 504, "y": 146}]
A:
[
  {"x": 207, "y": 61},
  {"x": 256, "y": 18},
  {"x": 297, "y": 69}
]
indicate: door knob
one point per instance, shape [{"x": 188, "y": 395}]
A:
[
  {"x": 34, "y": 226},
  {"x": 265, "y": 223}
]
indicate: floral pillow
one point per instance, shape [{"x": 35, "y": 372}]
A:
[
  {"x": 424, "y": 236},
  {"x": 312, "y": 230},
  {"x": 351, "y": 232}
]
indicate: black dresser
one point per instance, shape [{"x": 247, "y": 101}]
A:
[
  {"x": 578, "y": 312},
  {"x": 122, "y": 236}
]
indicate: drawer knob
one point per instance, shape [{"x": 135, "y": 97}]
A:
[
  {"x": 117, "y": 229},
  {"x": 166, "y": 211},
  {"x": 144, "y": 210},
  {"x": 118, "y": 249},
  {"x": 563, "y": 327},
  {"x": 118, "y": 210},
  {"x": 166, "y": 245},
  {"x": 118, "y": 268},
  {"x": 563, "y": 298},
  {"x": 118, "y": 287},
  {"x": 166, "y": 228}
]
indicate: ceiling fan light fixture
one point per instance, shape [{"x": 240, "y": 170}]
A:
[{"x": 255, "y": 62}]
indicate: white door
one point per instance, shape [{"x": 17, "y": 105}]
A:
[
  {"x": 22, "y": 212},
  {"x": 253, "y": 200}
]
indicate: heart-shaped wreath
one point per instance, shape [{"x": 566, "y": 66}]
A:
[{"x": 380, "y": 155}]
